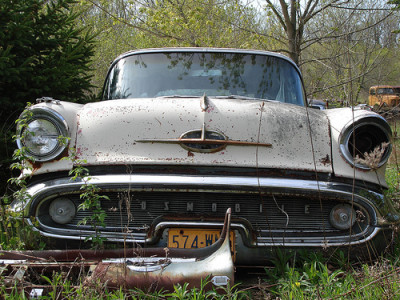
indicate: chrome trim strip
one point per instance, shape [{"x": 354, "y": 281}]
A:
[
  {"x": 112, "y": 237},
  {"x": 204, "y": 142},
  {"x": 277, "y": 242},
  {"x": 260, "y": 241},
  {"x": 192, "y": 183},
  {"x": 326, "y": 243}
]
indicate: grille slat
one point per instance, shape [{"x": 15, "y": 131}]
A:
[
  {"x": 303, "y": 213},
  {"x": 271, "y": 217}
]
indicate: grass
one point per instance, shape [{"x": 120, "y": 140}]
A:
[
  {"x": 316, "y": 278},
  {"x": 59, "y": 288}
]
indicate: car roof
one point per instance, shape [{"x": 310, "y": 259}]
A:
[{"x": 381, "y": 86}]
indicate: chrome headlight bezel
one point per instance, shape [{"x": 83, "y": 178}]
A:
[
  {"x": 51, "y": 118},
  {"x": 379, "y": 131}
]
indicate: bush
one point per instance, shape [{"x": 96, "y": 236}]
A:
[{"x": 43, "y": 52}]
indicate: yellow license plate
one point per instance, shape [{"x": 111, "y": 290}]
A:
[{"x": 189, "y": 238}]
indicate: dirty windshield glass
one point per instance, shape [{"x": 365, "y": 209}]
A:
[
  {"x": 385, "y": 91},
  {"x": 246, "y": 76}
]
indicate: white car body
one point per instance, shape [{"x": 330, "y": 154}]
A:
[{"x": 287, "y": 171}]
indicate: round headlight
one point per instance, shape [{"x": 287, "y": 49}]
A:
[
  {"x": 342, "y": 216},
  {"x": 62, "y": 210},
  {"x": 42, "y": 134},
  {"x": 41, "y": 137}
]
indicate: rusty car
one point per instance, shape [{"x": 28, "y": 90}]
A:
[
  {"x": 181, "y": 135},
  {"x": 383, "y": 96}
]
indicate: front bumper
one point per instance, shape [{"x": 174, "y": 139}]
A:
[
  {"x": 128, "y": 268},
  {"x": 282, "y": 203}
]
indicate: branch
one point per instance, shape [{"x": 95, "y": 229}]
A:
[
  {"x": 348, "y": 80},
  {"x": 310, "y": 42},
  {"x": 153, "y": 32},
  {"x": 312, "y": 13},
  {"x": 362, "y": 9},
  {"x": 308, "y": 6},
  {"x": 277, "y": 14}
]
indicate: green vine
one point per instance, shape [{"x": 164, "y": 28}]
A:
[
  {"x": 15, "y": 233},
  {"x": 91, "y": 200}
]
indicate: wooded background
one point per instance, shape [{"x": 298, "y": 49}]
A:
[{"x": 62, "y": 48}]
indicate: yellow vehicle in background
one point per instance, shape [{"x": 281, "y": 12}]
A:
[{"x": 384, "y": 96}]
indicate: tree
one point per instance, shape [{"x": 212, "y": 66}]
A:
[
  {"x": 198, "y": 23},
  {"x": 294, "y": 17},
  {"x": 42, "y": 53},
  {"x": 128, "y": 25},
  {"x": 395, "y": 2},
  {"x": 358, "y": 50}
]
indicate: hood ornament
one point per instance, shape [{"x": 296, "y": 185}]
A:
[{"x": 204, "y": 141}]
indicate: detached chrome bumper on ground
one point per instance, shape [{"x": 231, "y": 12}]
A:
[{"x": 130, "y": 268}]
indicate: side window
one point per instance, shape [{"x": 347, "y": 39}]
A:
[{"x": 372, "y": 91}]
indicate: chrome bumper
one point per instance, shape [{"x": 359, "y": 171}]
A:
[{"x": 132, "y": 268}]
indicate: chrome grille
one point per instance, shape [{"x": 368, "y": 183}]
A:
[{"x": 138, "y": 210}]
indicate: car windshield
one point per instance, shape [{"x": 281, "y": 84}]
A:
[
  {"x": 385, "y": 91},
  {"x": 187, "y": 74}
]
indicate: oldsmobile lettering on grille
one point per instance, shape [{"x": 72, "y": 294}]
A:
[{"x": 214, "y": 206}]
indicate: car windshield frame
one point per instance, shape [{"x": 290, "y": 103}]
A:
[{"x": 224, "y": 74}]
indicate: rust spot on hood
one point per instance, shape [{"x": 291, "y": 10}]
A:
[
  {"x": 326, "y": 160},
  {"x": 38, "y": 165}
]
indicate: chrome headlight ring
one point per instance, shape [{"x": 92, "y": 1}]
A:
[
  {"x": 362, "y": 136},
  {"x": 42, "y": 134}
]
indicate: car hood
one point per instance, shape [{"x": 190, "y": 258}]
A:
[{"x": 262, "y": 134}]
